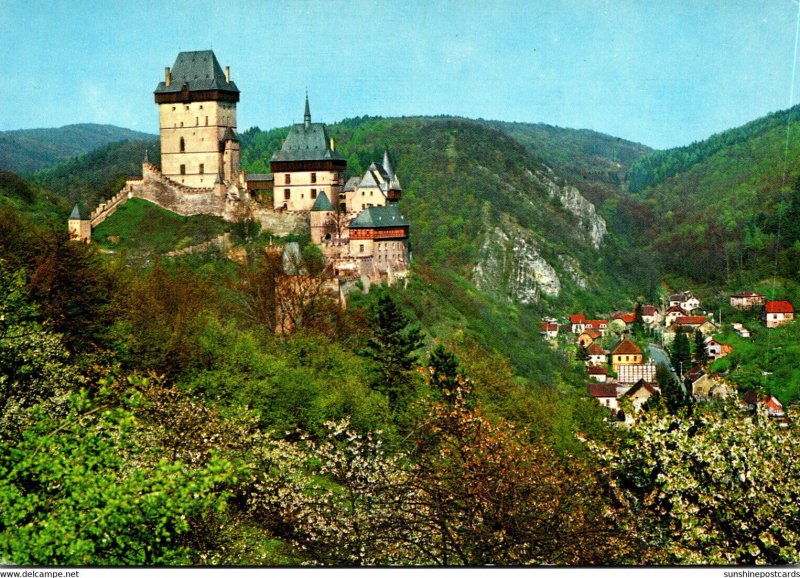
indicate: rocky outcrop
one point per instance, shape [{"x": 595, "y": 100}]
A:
[
  {"x": 511, "y": 265},
  {"x": 593, "y": 226}
]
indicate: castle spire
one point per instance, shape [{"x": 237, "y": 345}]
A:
[
  {"x": 387, "y": 166},
  {"x": 307, "y": 115}
]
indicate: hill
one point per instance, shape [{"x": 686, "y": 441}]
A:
[
  {"x": 25, "y": 151},
  {"x": 717, "y": 217}
]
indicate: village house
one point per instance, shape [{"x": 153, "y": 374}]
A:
[
  {"x": 673, "y": 313},
  {"x": 597, "y": 354},
  {"x": 691, "y": 323},
  {"x": 777, "y": 313},
  {"x": 598, "y": 373},
  {"x": 639, "y": 394},
  {"x": 577, "y": 323},
  {"x": 685, "y": 301},
  {"x": 548, "y": 330},
  {"x": 746, "y": 299},
  {"x": 625, "y": 353},
  {"x": 706, "y": 386},
  {"x": 605, "y": 394},
  {"x": 716, "y": 350},
  {"x": 589, "y": 336},
  {"x": 740, "y": 330},
  {"x": 626, "y": 318},
  {"x": 768, "y": 404},
  {"x": 650, "y": 315}
]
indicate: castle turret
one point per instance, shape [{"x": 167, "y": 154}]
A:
[
  {"x": 322, "y": 219},
  {"x": 306, "y": 166},
  {"x": 80, "y": 224},
  {"x": 197, "y": 116}
]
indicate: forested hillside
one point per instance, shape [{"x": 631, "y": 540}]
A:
[
  {"x": 717, "y": 218},
  {"x": 24, "y": 151}
]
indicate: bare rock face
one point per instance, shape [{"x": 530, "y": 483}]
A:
[
  {"x": 512, "y": 265},
  {"x": 593, "y": 226}
]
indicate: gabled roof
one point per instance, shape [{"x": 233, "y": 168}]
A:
[
  {"x": 322, "y": 203},
  {"x": 626, "y": 347},
  {"x": 648, "y": 310},
  {"x": 595, "y": 349},
  {"x": 79, "y": 213},
  {"x": 626, "y": 317},
  {"x": 592, "y": 333},
  {"x": 676, "y": 309},
  {"x": 778, "y": 307},
  {"x": 379, "y": 218},
  {"x": 577, "y": 318},
  {"x": 641, "y": 385},
  {"x": 198, "y": 70},
  {"x": 351, "y": 184},
  {"x": 681, "y": 297},
  {"x": 750, "y": 397},
  {"x": 602, "y": 390}
]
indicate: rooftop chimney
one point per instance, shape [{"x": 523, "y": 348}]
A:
[
  {"x": 167, "y": 76},
  {"x": 227, "y": 74}
]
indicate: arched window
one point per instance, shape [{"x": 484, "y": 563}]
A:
[{"x": 183, "y": 145}]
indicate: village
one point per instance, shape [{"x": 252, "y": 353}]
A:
[{"x": 622, "y": 354}]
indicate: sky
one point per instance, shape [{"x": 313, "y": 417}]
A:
[{"x": 660, "y": 72}]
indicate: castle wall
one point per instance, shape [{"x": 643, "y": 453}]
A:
[{"x": 202, "y": 126}]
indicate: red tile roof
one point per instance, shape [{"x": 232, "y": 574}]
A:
[
  {"x": 602, "y": 390},
  {"x": 592, "y": 332},
  {"x": 778, "y": 307},
  {"x": 626, "y": 347},
  {"x": 596, "y": 323},
  {"x": 595, "y": 349},
  {"x": 626, "y": 317},
  {"x": 648, "y": 310},
  {"x": 691, "y": 320},
  {"x": 577, "y": 318},
  {"x": 676, "y": 309},
  {"x": 597, "y": 370}
]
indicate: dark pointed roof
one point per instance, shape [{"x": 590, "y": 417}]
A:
[
  {"x": 322, "y": 203},
  {"x": 308, "y": 141},
  {"x": 387, "y": 165},
  {"x": 379, "y": 218},
  {"x": 230, "y": 134},
  {"x": 79, "y": 213},
  {"x": 198, "y": 70}
]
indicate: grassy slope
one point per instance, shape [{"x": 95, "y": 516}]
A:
[{"x": 141, "y": 225}]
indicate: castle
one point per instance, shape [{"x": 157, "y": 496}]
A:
[{"x": 357, "y": 225}]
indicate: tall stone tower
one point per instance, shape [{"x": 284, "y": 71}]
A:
[{"x": 197, "y": 121}]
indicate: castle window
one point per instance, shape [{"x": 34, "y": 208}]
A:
[
  {"x": 201, "y": 107},
  {"x": 288, "y": 179},
  {"x": 286, "y": 194},
  {"x": 197, "y": 121},
  {"x": 202, "y": 168},
  {"x": 313, "y": 177},
  {"x": 187, "y": 107},
  {"x": 313, "y": 193},
  {"x": 206, "y": 121},
  {"x": 183, "y": 145},
  {"x": 183, "y": 169},
  {"x": 181, "y": 123},
  {"x": 361, "y": 247}
]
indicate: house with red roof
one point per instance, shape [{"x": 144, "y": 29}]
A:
[
  {"x": 598, "y": 373},
  {"x": 625, "y": 353},
  {"x": 673, "y": 313},
  {"x": 548, "y": 330},
  {"x": 597, "y": 354},
  {"x": 777, "y": 313},
  {"x": 650, "y": 315},
  {"x": 589, "y": 336},
  {"x": 605, "y": 394}
]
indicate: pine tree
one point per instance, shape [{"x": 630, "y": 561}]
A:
[
  {"x": 681, "y": 355},
  {"x": 392, "y": 348},
  {"x": 673, "y": 393},
  {"x": 638, "y": 322},
  {"x": 700, "y": 353}
]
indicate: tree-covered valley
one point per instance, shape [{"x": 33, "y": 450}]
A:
[{"x": 153, "y": 413}]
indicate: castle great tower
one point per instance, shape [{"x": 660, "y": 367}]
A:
[{"x": 197, "y": 121}]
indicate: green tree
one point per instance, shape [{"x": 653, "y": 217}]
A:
[
  {"x": 680, "y": 353},
  {"x": 73, "y": 491},
  {"x": 638, "y": 321},
  {"x": 700, "y": 353},
  {"x": 443, "y": 371},
  {"x": 673, "y": 393},
  {"x": 392, "y": 347}
]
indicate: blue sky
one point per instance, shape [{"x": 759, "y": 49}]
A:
[{"x": 664, "y": 73}]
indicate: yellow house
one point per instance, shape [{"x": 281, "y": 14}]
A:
[{"x": 626, "y": 353}]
